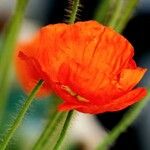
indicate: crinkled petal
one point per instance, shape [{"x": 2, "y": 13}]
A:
[
  {"x": 88, "y": 65},
  {"x": 91, "y": 84}
]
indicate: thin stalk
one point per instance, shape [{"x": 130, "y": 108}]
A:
[
  {"x": 125, "y": 122},
  {"x": 64, "y": 130},
  {"x": 116, "y": 14},
  {"x": 7, "y": 47},
  {"x": 20, "y": 116},
  {"x": 49, "y": 130},
  {"x": 75, "y": 5}
]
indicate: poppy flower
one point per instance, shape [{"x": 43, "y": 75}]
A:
[{"x": 88, "y": 65}]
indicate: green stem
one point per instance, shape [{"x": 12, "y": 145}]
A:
[
  {"x": 7, "y": 47},
  {"x": 49, "y": 130},
  {"x": 64, "y": 130},
  {"x": 128, "y": 10},
  {"x": 17, "y": 121},
  {"x": 116, "y": 14},
  {"x": 125, "y": 122},
  {"x": 74, "y": 11}
]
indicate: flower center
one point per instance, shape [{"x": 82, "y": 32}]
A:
[{"x": 72, "y": 93}]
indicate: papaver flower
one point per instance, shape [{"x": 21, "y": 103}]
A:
[{"x": 88, "y": 65}]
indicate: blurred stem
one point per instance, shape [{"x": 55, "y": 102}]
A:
[
  {"x": 120, "y": 15},
  {"x": 102, "y": 10},
  {"x": 64, "y": 130},
  {"x": 75, "y": 6},
  {"x": 125, "y": 122},
  {"x": 49, "y": 131},
  {"x": 116, "y": 14},
  {"x": 128, "y": 10},
  {"x": 7, "y": 47},
  {"x": 17, "y": 121}
]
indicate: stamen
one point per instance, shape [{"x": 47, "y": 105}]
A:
[
  {"x": 72, "y": 93},
  {"x": 82, "y": 99},
  {"x": 66, "y": 88}
]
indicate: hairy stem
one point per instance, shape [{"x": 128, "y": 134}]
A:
[
  {"x": 75, "y": 5},
  {"x": 20, "y": 116}
]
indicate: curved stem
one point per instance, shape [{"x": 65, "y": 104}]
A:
[
  {"x": 64, "y": 130},
  {"x": 125, "y": 122},
  {"x": 74, "y": 11},
  {"x": 17, "y": 121}
]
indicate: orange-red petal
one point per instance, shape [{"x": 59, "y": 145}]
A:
[
  {"x": 88, "y": 65},
  {"x": 130, "y": 77},
  {"x": 118, "y": 104},
  {"x": 127, "y": 99}
]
